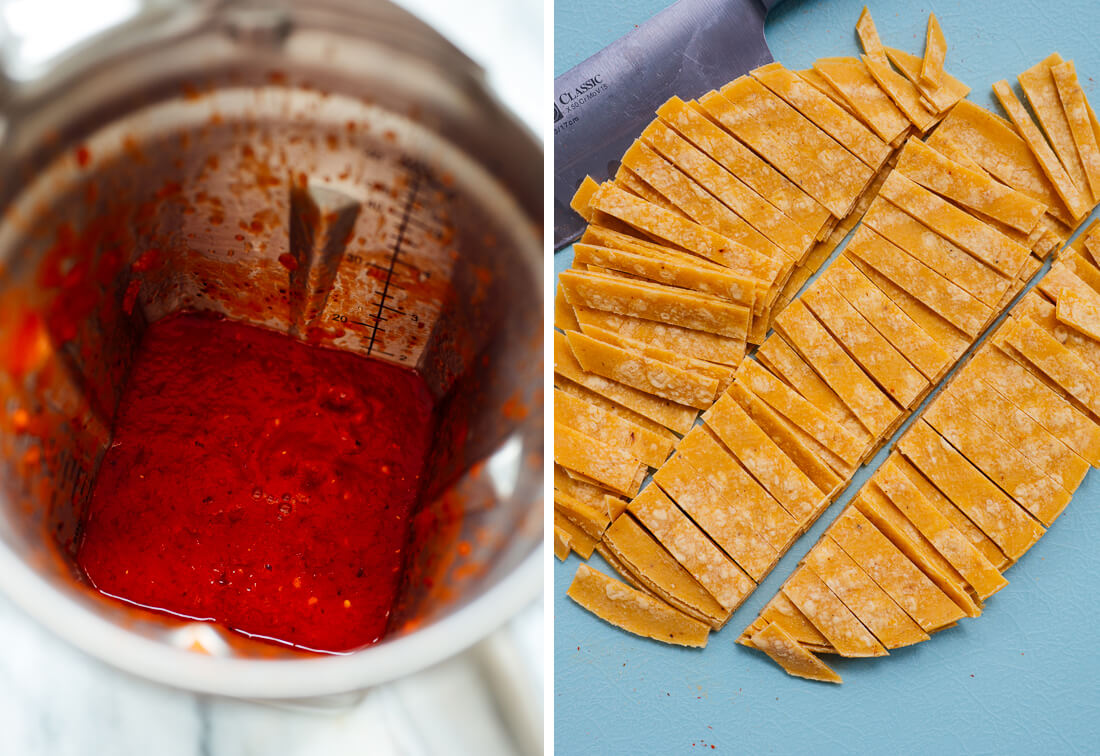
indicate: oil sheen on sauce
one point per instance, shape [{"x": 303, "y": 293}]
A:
[{"x": 259, "y": 482}]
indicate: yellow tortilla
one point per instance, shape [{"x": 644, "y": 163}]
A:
[
  {"x": 999, "y": 517},
  {"x": 741, "y": 162},
  {"x": 612, "y": 468},
  {"x": 979, "y": 239},
  {"x": 761, "y": 215},
  {"x": 829, "y": 360},
  {"x": 1070, "y": 193},
  {"x": 850, "y": 77},
  {"x": 759, "y": 454},
  {"x": 1041, "y": 91},
  {"x": 602, "y": 425},
  {"x": 826, "y": 114},
  {"x": 868, "y": 347},
  {"x": 1058, "y": 363},
  {"x": 795, "y": 146},
  {"x": 872, "y": 605},
  {"x": 730, "y": 527},
  {"x": 1080, "y": 312},
  {"x": 691, "y": 547},
  {"x": 701, "y": 345},
  {"x": 906, "y": 96},
  {"x": 578, "y": 540},
  {"x": 1015, "y": 474},
  {"x": 732, "y": 484},
  {"x": 935, "y": 51},
  {"x": 938, "y": 99},
  {"x": 829, "y": 615},
  {"x": 895, "y": 574},
  {"x": 634, "y": 611},
  {"x": 907, "y": 233},
  {"x": 655, "y": 302},
  {"x": 942, "y": 296},
  {"x": 888, "y": 319},
  {"x": 793, "y": 658},
  {"x": 1073, "y": 103}
]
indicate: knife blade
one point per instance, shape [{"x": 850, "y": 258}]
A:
[{"x": 604, "y": 103}]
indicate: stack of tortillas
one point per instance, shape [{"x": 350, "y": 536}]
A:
[{"x": 696, "y": 252}]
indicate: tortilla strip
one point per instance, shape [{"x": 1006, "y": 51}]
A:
[
  {"x": 932, "y": 170},
  {"x": 582, "y": 196},
  {"x": 634, "y": 611},
  {"x": 782, "y": 360},
  {"x": 1015, "y": 426},
  {"x": 1081, "y": 267},
  {"x": 694, "y": 201},
  {"x": 730, "y": 527},
  {"x": 591, "y": 520},
  {"x": 564, "y": 317},
  {"x": 578, "y": 540},
  {"x": 782, "y": 612},
  {"x": 612, "y": 468},
  {"x": 942, "y": 296},
  {"x": 701, "y": 345},
  {"x": 850, "y": 77},
  {"x": 978, "y": 238},
  {"x": 998, "y": 148},
  {"x": 941, "y": 99},
  {"x": 825, "y": 469},
  {"x": 763, "y": 458},
  {"x": 795, "y": 146},
  {"x": 978, "y": 571},
  {"x": 1041, "y": 91},
  {"x": 599, "y": 235},
  {"x": 761, "y": 215},
  {"x": 1001, "y": 518},
  {"x": 1057, "y": 362},
  {"x": 793, "y": 658},
  {"x": 799, "y": 411},
  {"x": 631, "y": 182},
  {"x": 647, "y": 561},
  {"x": 670, "y": 272},
  {"x": 733, "y": 484},
  {"x": 1078, "y": 205},
  {"x": 826, "y": 114},
  {"x": 829, "y": 360},
  {"x": 690, "y": 546},
  {"x": 868, "y": 36},
  {"x": 1045, "y": 405},
  {"x": 693, "y": 237},
  {"x": 868, "y": 602},
  {"x": 953, "y": 341},
  {"x": 829, "y": 615},
  {"x": 1079, "y": 312},
  {"x": 562, "y": 544},
  {"x": 1008, "y": 468},
  {"x": 935, "y": 51},
  {"x": 982, "y": 542},
  {"x": 1043, "y": 314},
  {"x": 656, "y": 302},
  {"x": 865, "y": 345},
  {"x": 673, "y": 416},
  {"x": 1073, "y": 103},
  {"x": 604, "y": 426},
  {"x": 635, "y": 369},
  {"x": 744, "y": 164},
  {"x": 940, "y": 254},
  {"x": 905, "y": 95},
  {"x": 887, "y": 318},
  {"x": 910, "y": 588},
  {"x": 720, "y": 373},
  {"x": 873, "y": 504}
]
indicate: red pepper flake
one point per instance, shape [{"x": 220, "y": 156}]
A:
[
  {"x": 83, "y": 156},
  {"x": 287, "y": 260},
  {"x": 514, "y": 409}
]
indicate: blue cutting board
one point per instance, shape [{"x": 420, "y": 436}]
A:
[{"x": 1022, "y": 678}]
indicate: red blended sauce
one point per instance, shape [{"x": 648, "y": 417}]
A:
[{"x": 259, "y": 482}]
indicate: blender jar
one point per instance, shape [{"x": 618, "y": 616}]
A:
[{"x": 332, "y": 170}]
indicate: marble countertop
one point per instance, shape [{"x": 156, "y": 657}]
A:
[{"x": 56, "y": 701}]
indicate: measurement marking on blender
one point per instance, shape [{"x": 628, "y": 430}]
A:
[{"x": 418, "y": 172}]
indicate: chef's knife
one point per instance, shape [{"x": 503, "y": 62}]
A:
[{"x": 602, "y": 104}]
